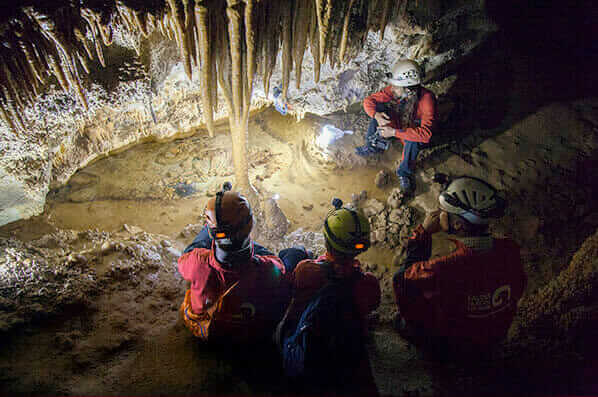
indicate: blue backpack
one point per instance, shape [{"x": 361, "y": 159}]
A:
[{"x": 328, "y": 338}]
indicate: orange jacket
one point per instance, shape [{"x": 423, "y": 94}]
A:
[
  {"x": 253, "y": 307},
  {"x": 467, "y": 295},
  {"x": 425, "y": 112}
]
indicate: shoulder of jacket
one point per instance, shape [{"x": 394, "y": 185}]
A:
[{"x": 426, "y": 93}]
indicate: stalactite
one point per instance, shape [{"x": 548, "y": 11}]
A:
[
  {"x": 14, "y": 114},
  {"x": 287, "y": 12},
  {"x": 250, "y": 33},
  {"x": 31, "y": 61},
  {"x": 234, "y": 33},
  {"x": 81, "y": 38},
  {"x": 12, "y": 85},
  {"x": 7, "y": 119},
  {"x": 384, "y": 18},
  {"x": 178, "y": 21},
  {"x": 204, "y": 62},
  {"x": 324, "y": 12},
  {"x": 301, "y": 23},
  {"x": 229, "y": 53},
  {"x": 273, "y": 43},
  {"x": 345, "y": 34},
  {"x": 141, "y": 23},
  {"x": 314, "y": 42},
  {"x": 83, "y": 63},
  {"x": 89, "y": 18}
]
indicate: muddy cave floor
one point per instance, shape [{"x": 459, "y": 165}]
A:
[{"x": 117, "y": 227}]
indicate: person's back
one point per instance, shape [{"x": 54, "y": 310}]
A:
[
  {"x": 327, "y": 317},
  {"x": 252, "y": 308},
  {"x": 468, "y": 297},
  {"x": 235, "y": 294},
  {"x": 477, "y": 293}
]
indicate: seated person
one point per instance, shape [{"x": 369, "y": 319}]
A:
[
  {"x": 230, "y": 275},
  {"x": 404, "y": 110},
  {"x": 347, "y": 234},
  {"x": 469, "y": 297}
]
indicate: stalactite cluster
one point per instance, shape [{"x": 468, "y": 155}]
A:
[{"x": 228, "y": 41}]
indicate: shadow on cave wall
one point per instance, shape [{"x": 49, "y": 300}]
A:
[{"x": 540, "y": 55}]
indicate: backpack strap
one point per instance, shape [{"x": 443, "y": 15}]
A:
[{"x": 216, "y": 306}]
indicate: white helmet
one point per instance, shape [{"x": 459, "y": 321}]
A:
[
  {"x": 472, "y": 199},
  {"x": 405, "y": 73}
]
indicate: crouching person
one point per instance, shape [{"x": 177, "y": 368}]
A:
[
  {"x": 322, "y": 335},
  {"x": 238, "y": 290},
  {"x": 464, "y": 301}
]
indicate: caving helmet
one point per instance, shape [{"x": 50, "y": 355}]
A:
[
  {"x": 472, "y": 199},
  {"x": 229, "y": 218},
  {"x": 405, "y": 73},
  {"x": 346, "y": 230}
]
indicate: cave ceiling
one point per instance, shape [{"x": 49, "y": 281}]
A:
[{"x": 231, "y": 40}]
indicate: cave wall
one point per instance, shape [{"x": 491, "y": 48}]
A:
[{"x": 143, "y": 94}]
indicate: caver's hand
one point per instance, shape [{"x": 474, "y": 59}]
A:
[
  {"x": 386, "y": 132},
  {"x": 382, "y": 118},
  {"x": 432, "y": 223}
]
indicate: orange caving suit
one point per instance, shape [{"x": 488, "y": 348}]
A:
[
  {"x": 468, "y": 296},
  {"x": 309, "y": 277},
  {"x": 253, "y": 307}
]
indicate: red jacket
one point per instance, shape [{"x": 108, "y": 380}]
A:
[
  {"x": 468, "y": 295},
  {"x": 253, "y": 307},
  {"x": 425, "y": 112}
]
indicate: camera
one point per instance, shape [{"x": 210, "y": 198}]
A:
[{"x": 378, "y": 143}]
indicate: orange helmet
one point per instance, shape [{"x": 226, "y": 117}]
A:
[{"x": 229, "y": 216}]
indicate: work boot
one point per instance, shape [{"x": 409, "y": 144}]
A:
[
  {"x": 406, "y": 184},
  {"x": 366, "y": 151}
]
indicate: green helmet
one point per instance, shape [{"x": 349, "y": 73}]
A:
[{"x": 346, "y": 230}]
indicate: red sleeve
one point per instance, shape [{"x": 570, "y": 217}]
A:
[
  {"x": 369, "y": 103},
  {"x": 367, "y": 293},
  {"x": 275, "y": 261},
  {"x": 187, "y": 263},
  {"x": 426, "y": 111}
]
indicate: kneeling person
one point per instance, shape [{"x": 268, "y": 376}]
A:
[
  {"x": 322, "y": 336},
  {"x": 238, "y": 290}
]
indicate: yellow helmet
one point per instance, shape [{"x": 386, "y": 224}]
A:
[{"x": 346, "y": 230}]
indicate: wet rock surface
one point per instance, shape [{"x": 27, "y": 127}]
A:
[{"x": 68, "y": 268}]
